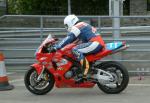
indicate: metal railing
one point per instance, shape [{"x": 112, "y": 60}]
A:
[
  {"x": 99, "y": 20},
  {"x": 42, "y": 29}
]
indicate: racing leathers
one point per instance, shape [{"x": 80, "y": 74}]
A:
[{"x": 91, "y": 42}]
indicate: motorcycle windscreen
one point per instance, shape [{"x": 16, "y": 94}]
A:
[{"x": 47, "y": 39}]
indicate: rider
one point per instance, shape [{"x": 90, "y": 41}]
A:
[{"x": 91, "y": 41}]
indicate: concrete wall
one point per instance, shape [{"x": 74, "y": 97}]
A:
[{"x": 138, "y": 7}]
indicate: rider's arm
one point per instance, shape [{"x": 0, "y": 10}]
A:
[{"x": 70, "y": 38}]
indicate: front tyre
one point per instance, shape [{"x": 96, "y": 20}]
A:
[
  {"x": 120, "y": 75},
  {"x": 39, "y": 87}
]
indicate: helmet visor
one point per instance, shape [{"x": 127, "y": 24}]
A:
[{"x": 66, "y": 26}]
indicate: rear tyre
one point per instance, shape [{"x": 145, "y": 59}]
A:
[
  {"x": 119, "y": 72},
  {"x": 39, "y": 87}
]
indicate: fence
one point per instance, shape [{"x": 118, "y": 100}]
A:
[{"x": 137, "y": 36}]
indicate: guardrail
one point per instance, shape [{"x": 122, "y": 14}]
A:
[
  {"x": 41, "y": 29},
  {"x": 106, "y": 29}
]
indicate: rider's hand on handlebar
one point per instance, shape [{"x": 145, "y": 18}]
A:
[{"x": 53, "y": 49}]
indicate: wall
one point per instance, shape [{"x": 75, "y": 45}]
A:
[{"x": 138, "y": 7}]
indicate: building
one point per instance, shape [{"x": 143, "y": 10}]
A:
[
  {"x": 139, "y": 7},
  {"x": 3, "y": 7},
  {"x": 80, "y": 7},
  {"x": 101, "y": 7}
]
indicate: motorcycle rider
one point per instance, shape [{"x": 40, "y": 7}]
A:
[{"x": 91, "y": 41}]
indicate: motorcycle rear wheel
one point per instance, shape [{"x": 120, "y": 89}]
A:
[
  {"x": 38, "y": 87},
  {"x": 124, "y": 73}
]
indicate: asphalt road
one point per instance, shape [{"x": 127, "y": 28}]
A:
[{"x": 138, "y": 91}]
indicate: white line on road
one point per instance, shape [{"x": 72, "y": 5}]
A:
[
  {"x": 145, "y": 85},
  {"x": 137, "y": 85},
  {"x": 9, "y": 73},
  {"x": 16, "y": 80}
]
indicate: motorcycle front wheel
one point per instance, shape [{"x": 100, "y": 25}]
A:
[
  {"x": 120, "y": 75},
  {"x": 39, "y": 87}
]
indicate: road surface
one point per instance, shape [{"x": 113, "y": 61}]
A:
[{"x": 138, "y": 91}]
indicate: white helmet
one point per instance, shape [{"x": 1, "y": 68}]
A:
[{"x": 70, "y": 21}]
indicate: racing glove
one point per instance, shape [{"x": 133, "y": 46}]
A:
[{"x": 52, "y": 49}]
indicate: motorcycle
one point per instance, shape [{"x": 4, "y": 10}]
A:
[{"x": 61, "y": 69}]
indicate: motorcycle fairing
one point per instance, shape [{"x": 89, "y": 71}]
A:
[
  {"x": 108, "y": 49},
  {"x": 60, "y": 80},
  {"x": 45, "y": 61},
  {"x": 114, "y": 45}
]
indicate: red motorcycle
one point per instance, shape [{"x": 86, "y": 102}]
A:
[{"x": 61, "y": 69}]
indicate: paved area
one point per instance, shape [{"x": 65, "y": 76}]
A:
[{"x": 138, "y": 91}]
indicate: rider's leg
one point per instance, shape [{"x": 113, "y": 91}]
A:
[
  {"x": 80, "y": 57},
  {"x": 84, "y": 49},
  {"x": 85, "y": 66}
]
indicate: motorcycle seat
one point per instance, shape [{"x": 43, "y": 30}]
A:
[{"x": 108, "y": 49}]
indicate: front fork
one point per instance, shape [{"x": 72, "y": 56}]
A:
[
  {"x": 41, "y": 74},
  {"x": 39, "y": 69}
]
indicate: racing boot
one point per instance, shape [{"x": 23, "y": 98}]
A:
[{"x": 84, "y": 64}]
